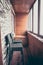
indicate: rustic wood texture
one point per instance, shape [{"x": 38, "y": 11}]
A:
[{"x": 21, "y": 24}]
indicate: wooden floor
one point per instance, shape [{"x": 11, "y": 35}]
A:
[{"x": 16, "y": 59}]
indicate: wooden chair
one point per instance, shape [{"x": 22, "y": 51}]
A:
[{"x": 14, "y": 45}]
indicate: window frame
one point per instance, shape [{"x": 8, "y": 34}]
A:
[{"x": 38, "y": 17}]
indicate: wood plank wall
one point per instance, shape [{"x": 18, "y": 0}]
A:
[{"x": 21, "y": 23}]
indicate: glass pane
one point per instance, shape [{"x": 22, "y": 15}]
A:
[
  {"x": 35, "y": 17},
  {"x": 41, "y": 18},
  {"x": 30, "y": 21}
]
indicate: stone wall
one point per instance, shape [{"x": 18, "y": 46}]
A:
[{"x": 7, "y": 21}]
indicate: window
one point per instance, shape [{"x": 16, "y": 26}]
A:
[
  {"x": 35, "y": 17},
  {"x": 41, "y": 18},
  {"x": 30, "y": 21}
]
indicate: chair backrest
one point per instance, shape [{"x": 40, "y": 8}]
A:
[
  {"x": 14, "y": 40},
  {"x": 11, "y": 35},
  {"x": 8, "y": 39}
]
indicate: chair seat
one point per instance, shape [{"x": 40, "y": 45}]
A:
[
  {"x": 17, "y": 41},
  {"x": 16, "y": 45}
]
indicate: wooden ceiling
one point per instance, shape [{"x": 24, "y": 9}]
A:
[{"x": 22, "y": 6}]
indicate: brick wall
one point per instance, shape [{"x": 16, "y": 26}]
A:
[{"x": 7, "y": 21}]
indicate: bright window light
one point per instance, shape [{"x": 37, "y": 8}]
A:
[
  {"x": 35, "y": 17},
  {"x": 41, "y": 18}
]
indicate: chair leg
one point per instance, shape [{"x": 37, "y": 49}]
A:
[
  {"x": 10, "y": 56},
  {"x": 22, "y": 56}
]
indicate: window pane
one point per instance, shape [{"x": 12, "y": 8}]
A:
[
  {"x": 30, "y": 21},
  {"x": 41, "y": 18},
  {"x": 35, "y": 17}
]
